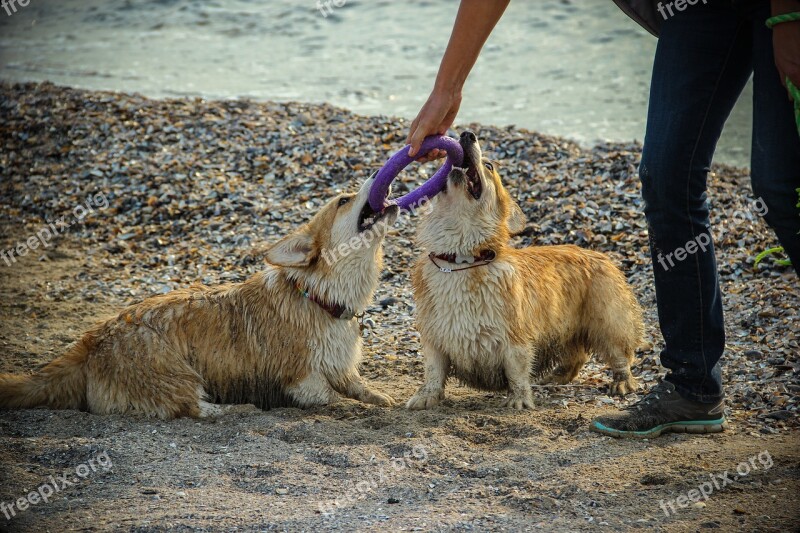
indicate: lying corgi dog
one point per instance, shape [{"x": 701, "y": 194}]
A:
[
  {"x": 285, "y": 337},
  {"x": 496, "y": 316}
]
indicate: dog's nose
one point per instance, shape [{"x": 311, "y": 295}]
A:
[{"x": 468, "y": 136}]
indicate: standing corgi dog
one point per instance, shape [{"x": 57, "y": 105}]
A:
[
  {"x": 495, "y": 316},
  {"x": 284, "y": 337}
]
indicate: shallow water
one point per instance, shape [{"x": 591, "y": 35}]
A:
[{"x": 577, "y": 69}]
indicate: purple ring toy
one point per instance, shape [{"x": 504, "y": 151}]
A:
[{"x": 400, "y": 160}]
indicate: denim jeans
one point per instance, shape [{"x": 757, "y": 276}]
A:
[{"x": 704, "y": 58}]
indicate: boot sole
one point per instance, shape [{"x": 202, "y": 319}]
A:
[{"x": 697, "y": 427}]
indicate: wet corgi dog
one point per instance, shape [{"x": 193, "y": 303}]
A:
[
  {"x": 496, "y": 316},
  {"x": 285, "y": 337}
]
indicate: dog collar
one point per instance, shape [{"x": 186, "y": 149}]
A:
[
  {"x": 335, "y": 310},
  {"x": 485, "y": 257}
]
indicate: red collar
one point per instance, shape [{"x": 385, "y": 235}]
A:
[
  {"x": 335, "y": 310},
  {"x": 485, "y": 257}
]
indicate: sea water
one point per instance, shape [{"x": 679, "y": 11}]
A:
[{"x": 579, "y": 68}]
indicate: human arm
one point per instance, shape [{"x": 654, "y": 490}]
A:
[{"x": 474, "y": 23}]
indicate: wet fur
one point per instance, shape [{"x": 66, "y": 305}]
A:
[
  {"x": 260, "y": 342},
  {"x": 533, "y": 313}
]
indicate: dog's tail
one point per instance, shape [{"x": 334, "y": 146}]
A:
[{"x": 59, "y": 385}]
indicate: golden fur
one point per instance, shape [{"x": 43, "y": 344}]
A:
[
  {"x": 532, "y": 312},
  {"x": 259, "y": 342}
]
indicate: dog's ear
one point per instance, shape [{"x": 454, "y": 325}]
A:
[
  {"x": 295, "y": 250},
  {"x": 516, "y": 219}
]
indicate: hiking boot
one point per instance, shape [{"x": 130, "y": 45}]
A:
[{"x": 663, "y": 410}]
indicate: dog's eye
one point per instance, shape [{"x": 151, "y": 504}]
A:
[
  {"x": 343, "y": 200},
  {"x": 489, "y": 166}
]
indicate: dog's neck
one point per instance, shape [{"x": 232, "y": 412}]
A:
[
  {"x": 461, "y": 246},
  {"x": 346, "y": 284},
  {"x": 486, "y": 255},
  {"x": 336, "y": 310},
  {"x": 447, "y": 234}
]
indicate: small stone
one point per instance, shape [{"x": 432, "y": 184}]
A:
[
  {"x": 783, "y": 414},
  {"x": 386, "y": 302},
  {"x": 282, "y": 491}
]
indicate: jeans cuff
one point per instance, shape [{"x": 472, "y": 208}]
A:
[{"x": 691, "y": 394}]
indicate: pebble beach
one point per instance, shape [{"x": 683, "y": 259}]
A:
[{"x": 175, "y": 191}]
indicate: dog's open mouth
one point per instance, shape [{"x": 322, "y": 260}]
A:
[
  {"x": 474, "y": 185},
  {"x": 471, "y": 161},
  {"x": 367, "y": 218}
]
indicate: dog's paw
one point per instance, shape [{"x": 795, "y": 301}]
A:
[
  {"x": 561, "y": 377},
  {"x": 377, "y": 398},
  {"x": 518, "y": 400},
  {"x": 621, "y": 387},
  {"x": 424, "y": 401}
]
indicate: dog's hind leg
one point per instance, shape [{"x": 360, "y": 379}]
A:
[
  {"x": 616, "y": 350},
  {"x": 616, "y": 357},
  {"x": 211, "y": 410},
  {"x": 437, "y": 365},
  {"x": 568, "y": 369},
  {"x": 158, "y": 384},
  {"x": 613, "y": 322}
]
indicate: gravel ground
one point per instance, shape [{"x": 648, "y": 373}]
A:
[{"x": 176, "y": 191}]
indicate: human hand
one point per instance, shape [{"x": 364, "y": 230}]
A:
[
  {"x": 435, "y": 117},
  {"x": 786, "y": 42}
]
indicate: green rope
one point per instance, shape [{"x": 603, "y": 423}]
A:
[
  {"x": 777, "y": 250},
  {"x": 786, "y": 17},
  {"x": 795, "y": 92}
]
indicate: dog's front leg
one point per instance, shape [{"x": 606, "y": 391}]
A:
[
  {"x": 312, "y": 390},
  {"x": 437, "y": 364},
  {"x": 352, "y": 386},
  {"x": 517, "y": 369}
]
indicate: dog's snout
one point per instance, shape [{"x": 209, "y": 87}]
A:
[{"x": 468, "y": 136}]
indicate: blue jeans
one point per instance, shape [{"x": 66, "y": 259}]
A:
[{"x": 704, "y": 58}]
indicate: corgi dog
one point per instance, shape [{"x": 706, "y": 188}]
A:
[
  {"x": 495, "y": 316},
  {"x": 287, "y": 336}
]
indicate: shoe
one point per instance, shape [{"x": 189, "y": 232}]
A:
[{"x": 663, "y": 410}]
